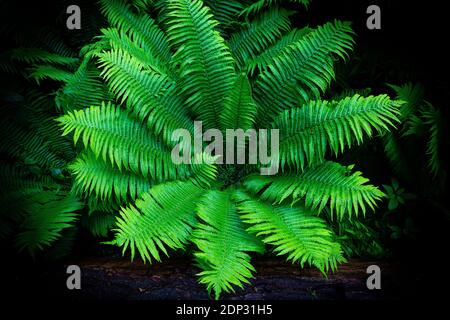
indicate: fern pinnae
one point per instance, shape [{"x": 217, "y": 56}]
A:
[{"x": 223, "y": 243}]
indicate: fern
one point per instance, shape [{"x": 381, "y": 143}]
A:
[
  {"x": 223, "y": 242},
  {"x": 105, "y": 181},
  {"x": 293, "y": 231},
  {"x": 326, "y": 185},
  {"x": 259, "y": 35},
  {"x": 110, "y": 132},
  {"x": 239, "y": 109},
  {"x": 303, "y": 71},
  {"x": 164, "y": 217},
  {"x": 206, "y": 63},
  {"x": 258, "y": 5},
  {"x": 308, "y": 132},
  {"x": 48, "y": 215},
  {"x": 157, "y": 66}
]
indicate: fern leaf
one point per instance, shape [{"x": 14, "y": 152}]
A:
[
  {"x": 206, "y": 65},
  {"x": 35, "y": 55},
  {"x": 163, "y": 218},
  {"x": 327, "y": 184},
  {"x": 307, "y": 132},
  {"x": 262, "y": 61},
  {"x": 239, "y": 110},
  {"x": 141, "y": 28},
  {"x": 223, "y": 242},
  {"x": 258, "y": 5},
  {"x": 112, "y": 134},
  {"x": 99, "y": 223},
  {"x": 46, "y": 217},
  {"x": 98, "y": 177},
  {"x": 303, "y": 71},
  {"x": 225, "y": 12},
  {"x": 293, "y": 231},
  {"x": 433, "y": 120},
  {"x": 258, "y": 35},
  {"x": 152, "y": 97}
]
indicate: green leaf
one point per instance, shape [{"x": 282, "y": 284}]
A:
[
  {"x": 162, "y": 218},
  {"x": 328, "y": 185},
  {"x": 293, "y": 231},
  {"x": 306, "y": 133},
  {"x": 222, "y": 243}
]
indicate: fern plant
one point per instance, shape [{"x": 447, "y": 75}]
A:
[{"x": 160, "y": 66}]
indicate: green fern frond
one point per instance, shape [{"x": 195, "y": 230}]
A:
[
  {"x": 140, "y": 27},
  {"x": 28, "y": 146},
  {"x": 393, "y": 150},
  {"x": 303, "y": 71},
  {"x": 99, "y": 223},
  {"x": 258, "y": 35},
  {"x": 306, "y": 133},
  {"x": 93, "y": 176},
  {"x": 239, "y": 110},
  {"x": 152, "y": 97},
  {"x": 412, "y": 95},
  {"x": 267, "y": 57},
  {"x": 433, "y": 120},
  {"x": 110, "y": 133},
  {"x": 223, "y": 242},
  {"x": 119, "y": 40},
  {"x": 326, "y": 185},
  {"x": 225, "y": 12},
  {"x": 83, "y": 89},
  {"x": 47, "y": 215},
  {"x": 206, "y": 65},
  {"x": 258, "y": 5},
  {"x": 42, "y": 72},
  {"x": 163, "y": 218},
  {"x": 293, "y": 231},
  {"x": 35, "y": 55}
]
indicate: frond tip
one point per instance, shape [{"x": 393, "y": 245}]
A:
[
  {"x": 326, "y": 185},
  {"x": 223, "y": 242},
  {"x": 306, "y": 133},
  {"x": 162, "y": 217},
  {"x": 294, "y": 231}
]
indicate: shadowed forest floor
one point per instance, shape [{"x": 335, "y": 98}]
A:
[{"x": 117, "y": 278}]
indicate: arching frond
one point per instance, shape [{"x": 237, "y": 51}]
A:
[
  {"x": 30, "y": 146},
  {"x": 99, "y": 223},
  {"x": 258, "y": 35},
  {"x": 152, "y": 97},
  {"x": 412, "y": 95},
  {"x": 94, "y": 176},
  {"x": 206, "y": 65},
  {"x": 326, "y": 185},
  {"x": 163, "y": 218},
  {"x": 223, "y": 243},
  {"x": 110, "y": 133},
  {"x": 262, "y": 61},
  {"x": 433, "y": 120},
  {"x": 225, "y": 12},
  {"x": 35, "y": 55},
  {"x": 303, "y": 71},
  {"x": 258, "y": 5},
  {"x": 42, "y": 72},
  {"x": 293, "y": 231},
  {"x": 140, "y": 27},
  {"x": 82, "y": 89},
  {"x": 239, "y": 110},
  {"x": 120, "y": 41},
  {"x": 306, "y": 133},
  {"x": 47, "y": 215}
]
